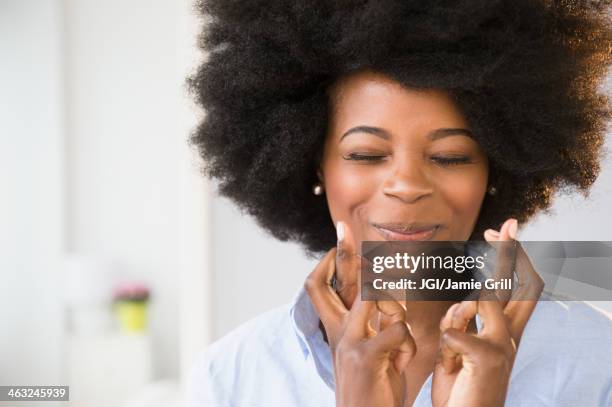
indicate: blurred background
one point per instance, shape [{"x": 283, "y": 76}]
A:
[{"x": 118, "y": 261}]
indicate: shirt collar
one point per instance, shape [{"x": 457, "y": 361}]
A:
[{"x": 306, "y": 326}]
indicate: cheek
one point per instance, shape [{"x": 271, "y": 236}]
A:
[
  {"x": 464, "y": 196},
  {"x": 347, "y": 190}
]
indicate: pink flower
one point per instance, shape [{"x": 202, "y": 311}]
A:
[{"x": 131, "y": 291}]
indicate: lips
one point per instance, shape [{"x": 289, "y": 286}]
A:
[{"x": 406, "y": 231}]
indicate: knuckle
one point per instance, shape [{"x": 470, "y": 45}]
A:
[
  {"x": 366, "y": 353},
  {"x": 446, "y": 335},
  {"x": 342, "y": 254},
  {"x": 443, "y": 323},
  {"x": 456, "y": 319},
  {"x": 311, "y": 283},
  {"x": 351, "y": 356},
  {"x": 498, "y": 359},
  {"x": 400, "y": 329}
]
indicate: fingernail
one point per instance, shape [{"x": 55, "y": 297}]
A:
[
  {"x": 340, "y": 231},
  {"x": 513, "y": 229}
]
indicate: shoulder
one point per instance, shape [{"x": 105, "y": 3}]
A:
[
  {"x": 565, "y": 349},
  {"x": 572, "y": 323},
  {"x": 238, "y": 354},
  {"x": 263, "y": 331}
]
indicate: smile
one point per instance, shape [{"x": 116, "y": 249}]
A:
[{"x": 421, "y": 233}]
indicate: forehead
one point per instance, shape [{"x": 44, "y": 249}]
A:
[{"x": 374, "y": 99}]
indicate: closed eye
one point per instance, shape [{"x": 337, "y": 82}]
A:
[
  {"x": 455, "y": 160},
  {"x": 442, "y": 160},
  {"x": 364, "y": 157}
]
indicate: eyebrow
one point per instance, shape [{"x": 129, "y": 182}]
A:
[{"x": 432, "y": 135}]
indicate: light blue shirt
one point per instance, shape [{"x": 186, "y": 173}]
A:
[{"x": 280, "y": 359}]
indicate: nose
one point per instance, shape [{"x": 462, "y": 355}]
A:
[{"x": 407, "y": 182}]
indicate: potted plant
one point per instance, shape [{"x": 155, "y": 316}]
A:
[{"x": 130, "y": 301}]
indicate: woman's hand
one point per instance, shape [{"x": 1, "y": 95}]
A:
[
  {"x": 474, "y": 369},
  {"x": 347, "y": 267},
  {"x": 368, "y": 364}
]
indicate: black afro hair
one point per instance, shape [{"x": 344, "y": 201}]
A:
[{"x": 527, "y": 75}]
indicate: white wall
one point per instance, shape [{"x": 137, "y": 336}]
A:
[
  {"x": 126, "y": 158},
  {"x": 31, "y": 190},
  {"x": 574, "y": 217},
  {"x": 252, "y": 271},
  {"x": 93, "y": 127}
]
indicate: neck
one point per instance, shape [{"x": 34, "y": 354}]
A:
[{"x": 424, "y": 318}]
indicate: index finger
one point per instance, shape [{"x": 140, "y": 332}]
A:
[
  {"x": 524, "y": 300},
  {"x": 358, "y": 324},
  {"x": 326, "y": 302},
  {"x": 347, "y": 264},
  {"x": 490, "y": 310},
  {"x": 505, "y": 260}
]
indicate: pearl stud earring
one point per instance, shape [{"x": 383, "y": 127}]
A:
[{"x": 317, "y": 189}]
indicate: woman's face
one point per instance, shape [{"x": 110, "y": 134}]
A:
[{"x": 400, "y": 164}]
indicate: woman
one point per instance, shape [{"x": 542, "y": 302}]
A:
[{"x": 337, "y": 122}]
